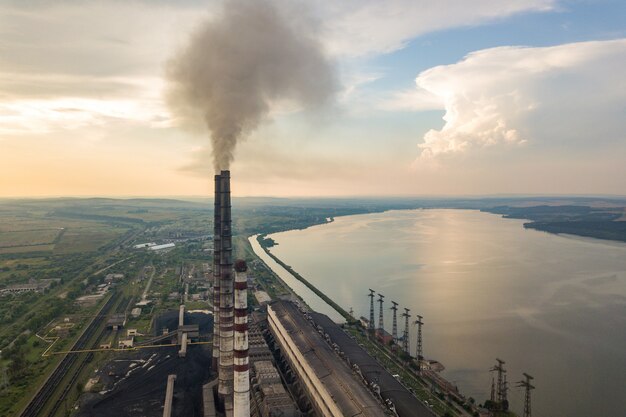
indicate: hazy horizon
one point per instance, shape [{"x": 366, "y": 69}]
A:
[{"x": 322, "y": 197}]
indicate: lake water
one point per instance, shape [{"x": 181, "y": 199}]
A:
[
  {"x": 311, "y": 299},
  {"x": 551, "y": 306}
]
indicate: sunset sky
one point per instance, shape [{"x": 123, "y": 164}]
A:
[{"x": 450, "y": 97}]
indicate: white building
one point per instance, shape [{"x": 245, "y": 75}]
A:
[{"x": 162, "y": 247}]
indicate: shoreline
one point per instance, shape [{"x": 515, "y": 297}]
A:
[{"x": 259, "y": 238}]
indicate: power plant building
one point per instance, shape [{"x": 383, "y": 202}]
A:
[{"x": 330, "y": 384}]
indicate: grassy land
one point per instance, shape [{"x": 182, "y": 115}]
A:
[
  {"x": 87, "y": 239},
  {"x": 28, "y": 237}
]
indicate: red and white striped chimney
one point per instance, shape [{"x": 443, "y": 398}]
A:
[
  {"x": 225, "y": 374},
  {"x": 241, "y": 359},
  {"x": 217, "y": 243}
]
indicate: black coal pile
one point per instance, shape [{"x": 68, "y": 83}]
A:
[
  {"x": 134, "y": 383},
  {"x": 169, "y": 320}
]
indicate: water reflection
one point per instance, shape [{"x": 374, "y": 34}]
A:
[{"x": 552, "y": 306}]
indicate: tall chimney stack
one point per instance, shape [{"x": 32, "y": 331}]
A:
[
  {"x": 225, "y": 377},
  {"x": 241, "y": 360},
  {"x": 217, "y": 242}
]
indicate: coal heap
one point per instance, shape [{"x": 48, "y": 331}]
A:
[{"x": 134, "y": 384}]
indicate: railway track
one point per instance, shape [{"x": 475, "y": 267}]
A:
[
  {"x": 122, "y": 306},
  {"x": 39, "y": 400}
]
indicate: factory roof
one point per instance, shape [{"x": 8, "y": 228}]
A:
[
  {"x": 405, "y": 402},
  {"x": 349, "y": 393},
  {"x": 144, "y": 245},
  {"x": 163, "y": 246}
]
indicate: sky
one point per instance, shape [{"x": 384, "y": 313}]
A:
[{"x": 433, "y": 98}]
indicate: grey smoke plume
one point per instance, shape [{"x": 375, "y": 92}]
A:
[{"x": 238, "y": 63}]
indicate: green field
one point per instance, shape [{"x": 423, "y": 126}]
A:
[
  {"x": 87, "y": 239},
  {"x": 28, "y": 237}
]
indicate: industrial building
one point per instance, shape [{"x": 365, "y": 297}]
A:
[
  {"x": 31, "y": 286},
  {"x": 270, "y": 396},
  {"x": 165, "y": 246},
  {"x": 330, "y": 384},
  {"x": 390, "y": 389},
  {"x": 116, "y": 321}
]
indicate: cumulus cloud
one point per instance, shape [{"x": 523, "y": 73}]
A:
[
  {"x": 369, "y": 27},
  {"x": 92, "y": 51},
  {"x": 570, "y": 94}
]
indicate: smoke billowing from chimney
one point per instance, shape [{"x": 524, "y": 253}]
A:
[{"x": 240, "y": 62}]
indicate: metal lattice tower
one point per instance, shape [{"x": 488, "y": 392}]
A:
[
  {"x": 370, "y": 325},
  {"x": 493, "y": 390},
  {"x": 503, "y": 393},
  {"x": 394, "y": 331},
  {"x": 419, "y": 354},
  {"x": 381, "y": 323},
  {"x": 502, "y": 385},
  {"x": 405, "y": 336},
  {"x": 527, "y": 387}
]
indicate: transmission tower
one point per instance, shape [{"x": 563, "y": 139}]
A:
[
  {"x": 501, "y": 386},
  {"x": 419, "y": 354},
  {"x": 381, "y": 323},
  {"x": 370, "y": 325},
  {"x": 394, "y": 331},
  {"x": 493, "y": 390},
  {"x": 405, "y": 336},
  {"x": 527, "y": 387}
]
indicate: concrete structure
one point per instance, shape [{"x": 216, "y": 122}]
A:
[
  {"x": 262, "y": 297},
  {"x": 162, "y": 247},
  {"x": 257, "y": 347},
  {"x": 116, "y": 321},
  {"x": 384, "y": 337},
  {"x": 217, "y": 245},
  {"x": 271, "y": 397},
  {"x": 110, "y": 278},
  {"x": 225, "y": 375},
  {"x": 241, "y": 372},
  {"x": 32, "y": 286},
  {"x": 183, "y": 346},
  {"x": 192, "y": 331},
  {"x": 327, "y": 380},
  {"x": 181, "y": 315},
  {"x": 144, "y": 245},
  {"x": 126, "y": 343},
  {"x": 373, "y": 373},
  {"x": 208, "y": 401},
  {"x": 135, "y": 312},
  {"x": 169, "y": 396}
]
